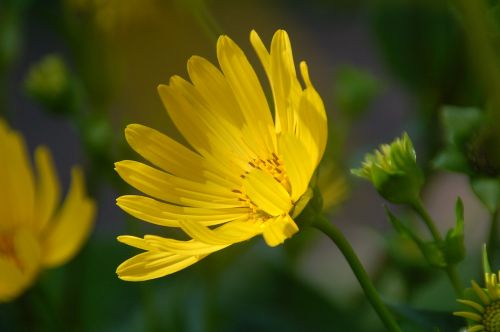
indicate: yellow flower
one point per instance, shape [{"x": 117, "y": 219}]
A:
[
  {"x": 34, "y": 232},
  {"x": 485, "y": 312},
  {"x": 245, "y": 174}
]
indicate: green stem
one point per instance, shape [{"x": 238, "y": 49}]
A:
[
  {"x": 371, "y": 293},
  {"x": 422, "y": 212},
  {"x": 493, "y": 236},
  {"x": 450, "y": 270}
]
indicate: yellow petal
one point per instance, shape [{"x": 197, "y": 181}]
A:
[
  {"x": 71, "y": 226},
  {"x": 284, "y": 83},
  {"x": 164, "y": 152},
  {"x": 15, "y": 277},
  {"x": 152, "y": 264},
  {"x": 491, "y": 285},
  {"x": 277, "y": 230},
  {"x": 175, "y": 158},
  {"x": 480, "y": 293},
  {"x": 135, "y": 242},
  {"x": 266, "y": 193},
  {"x": 16, "y": 180},
  {"x": 299, "y": 164},
  {"x": 173, "y": 189},
  {"x": 226, "y": 234},
  {"x": 165, "y": 214},
  {"x": 472, "y": 304},
  {"x": 468, "y": 315},
  {"x": 312, "y": 115},
  {"x": 28, "y": 252},
  {"x": 11, "y": 280},
  {"x": 476, "y": 328},
  {"x": 48, "y": 189},
  {"x": 248, "y": 93},
  {"x": 184, "y": 119},
  {"x": 205, "y": 130},
  {"x": 261, "y": 50},
  {"x": 189, "y": 248},
  {"x": 215, "y": 90}
]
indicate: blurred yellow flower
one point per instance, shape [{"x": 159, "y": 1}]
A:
[
  {"x": 246, "y": 174},
  {"x": 333, "y": 185},
  {"x": 34, "y": 232},
  {"x": 485, "y": 311}
]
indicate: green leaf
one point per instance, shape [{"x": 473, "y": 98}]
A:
[
  {"x": 461, "y": 122},
  {"x": 454, "y": 246},
  {"x": 452, "y": 159},
  {"x": 488, "y": 192},
  {"x": 433, "y": 254}
]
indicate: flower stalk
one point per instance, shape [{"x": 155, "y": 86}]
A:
[
  {"x": 330, "y": 230},
  {"x": 450, "y": 269}
]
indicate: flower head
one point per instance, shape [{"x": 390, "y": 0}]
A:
[
  {"x": 393, "y": 170},
  {"x": 35, "y": 232},
  {"x": 243, "y": 175},
  {"x": 484, "y": 312}
]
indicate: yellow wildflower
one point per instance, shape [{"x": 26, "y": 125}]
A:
[
  {"x": 485, "y": 311},
  {"x": 245, "y": 173},
  {"x": 34, "y": 232}
]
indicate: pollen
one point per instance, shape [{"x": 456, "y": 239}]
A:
[{"x": 272, "y": 165}]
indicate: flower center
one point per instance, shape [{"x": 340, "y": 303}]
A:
[
  {"x": 8, "y": 250},
  {"x": 491, "y": 317},
  {"x": 273, "y": 166}
]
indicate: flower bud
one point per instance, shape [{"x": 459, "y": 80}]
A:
[
  {"x": 394, "y": 172},
  {"x": 48, "y": 83}
]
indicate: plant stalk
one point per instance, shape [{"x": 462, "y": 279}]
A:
[
  {"x": 450, "y": 270},
  {"x": 371, "y": 293}
]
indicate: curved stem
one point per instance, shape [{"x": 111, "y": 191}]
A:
[
  {"x": 371, "y": 293},
  {"x": 422, "y": 212},
  {"x": 450, "y": 270}
]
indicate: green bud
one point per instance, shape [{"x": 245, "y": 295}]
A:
[
  {"x": 433, "y": 254},
  {"x": 48, "y": 83},
  {"x": 394, "y": 172},
  {"x": 97, "y": 135},
  {"x": 454, "y": 246}
]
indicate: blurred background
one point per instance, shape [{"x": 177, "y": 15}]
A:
[{"x": 74, "y": 73}]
